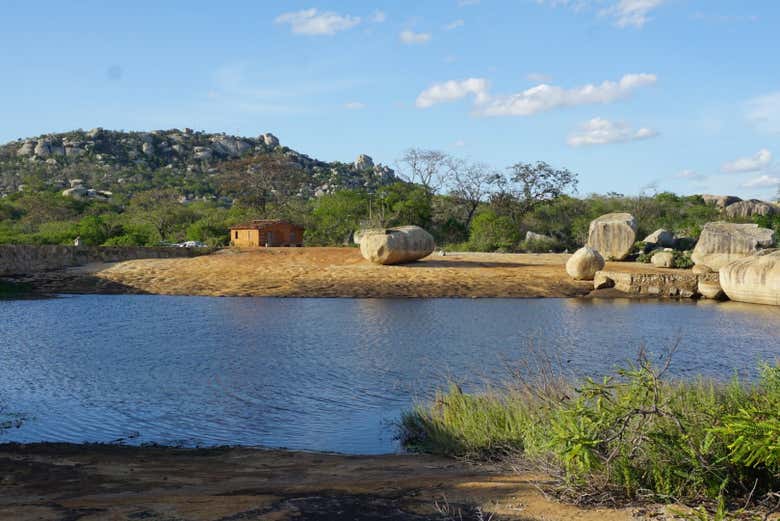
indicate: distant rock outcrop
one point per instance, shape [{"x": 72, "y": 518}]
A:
[
  {"x": 721, "y": 243},
  {"x": 754, "y": 279},
  {"x": 127, "y": 161},
  {"x": 396, "y": 245},
  {"x": 721, "y": 201},
  {"x": 613, "y": 235}
]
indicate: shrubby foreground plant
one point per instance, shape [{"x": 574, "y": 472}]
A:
[{"x": 632, "y": 435}]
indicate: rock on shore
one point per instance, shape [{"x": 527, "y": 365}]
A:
[
  {"x": 584, "y": 264},
  {"x": 721, "y": 243},
  {"x": 613, "y": 235},
  {"x": 396, "y": 245},
  {"x": 754, "y": 279}
]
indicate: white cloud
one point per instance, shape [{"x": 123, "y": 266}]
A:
[
  {"x": 460, "y": 143},
  {"x": 454, "y": 25},
  {"x": 464, "y": 3},
  {"x": 411, "y": 38},
  {"x": 546, "y": 97},
  {"x": 538, "y": 77},
  {"x": 764, "y": 181},
  {"x": 450, "y": 59},
  {"x": 453, "y": 90},
  {"x": 378, "y": 17},
  {"x": 314, "y": 22},
  {"x": 354, "y": 105},
  {"x": 537, "y": 99},
  {"x": 624, "y": 13},
  {"x": 756, "y": 162},
  {"x": 764, "y": 112},
  {"x": 599, "y": 131}
]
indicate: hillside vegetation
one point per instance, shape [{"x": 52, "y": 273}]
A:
[{"x": 144, "y": 188}]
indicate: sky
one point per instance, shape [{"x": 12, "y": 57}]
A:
[{"x": 636, "y": 96}]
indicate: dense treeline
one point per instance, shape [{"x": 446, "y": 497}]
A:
[{"x": 465, "y": 205}]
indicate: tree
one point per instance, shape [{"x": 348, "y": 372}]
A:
[
  {"x": 263, "y": 182},
  {"x": 429, "y": 168},
  {"x": 402, "y": 204},
  {"x": 490, "y": 232},
  {"x": 472, "y": 182},
  {"x": 336, "y": 216},
  {"x": 530, "y": 185},
  {"x": 161, "y": 209}
]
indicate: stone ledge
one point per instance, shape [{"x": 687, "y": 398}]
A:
[{"x": 675, "y": 283}]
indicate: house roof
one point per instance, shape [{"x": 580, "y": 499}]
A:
[{"x": 258, "y": 224}]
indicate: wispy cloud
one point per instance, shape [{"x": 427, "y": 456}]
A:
[
  {"x": 538, "y": 77},
  {"x": 757, "y": 161},
  {"x": 725, "y": 18},
  {"x": 317, "y": 23},
  {"x": 378, "y": 17},
  {"x": 764, "y": 112},
  {"x": 764, "y": 181},
  {"x": 624, "y": 13},
  {"x": 454, "y": 25},
  {"x": 354, "y": 105},
  {"x": 410, "y": 37},
  {"x": 600, "y": 131},
  {"x": 466, "y": 3},
  {"x": 691, "y": 175}
]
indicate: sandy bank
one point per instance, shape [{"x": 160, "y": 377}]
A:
[
  {"x": 60, "y": 481},
  {"x": 342, "y": 272}
]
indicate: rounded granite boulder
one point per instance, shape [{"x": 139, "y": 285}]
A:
[{"x": 584, "y": 264}]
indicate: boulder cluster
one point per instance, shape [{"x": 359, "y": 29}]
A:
[{"x": 730, "y": 259}]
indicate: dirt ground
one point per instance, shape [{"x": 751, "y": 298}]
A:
[
  {"x": 342, "y": 272},
  {"x": 102, "y": 482}
]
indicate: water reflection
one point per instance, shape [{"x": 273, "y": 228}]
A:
[{"x": 326, "y": 374}]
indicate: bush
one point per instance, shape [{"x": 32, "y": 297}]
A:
[
  {"x": 491, "y": 232},
  {"x": 630, "y": 434}
]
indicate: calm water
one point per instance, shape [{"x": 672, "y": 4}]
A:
[{"x": 324, "y": 374}]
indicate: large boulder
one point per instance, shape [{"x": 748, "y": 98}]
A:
[
  {"x": 396, "y": 245},
  {"x": 613, "y": 235},
  {"x": 745, "y": 209},
  {"x": 721, "y": 243},
  {"x": 584, "y": 264},
  {"x": 533, "y": 236},
  {"x": 661, "y": 237},
  {"x": 721, "y": 201},
  {"x": 754, "y": 279}
]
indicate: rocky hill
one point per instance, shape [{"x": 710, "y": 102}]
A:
[{"x": 123, "y": 162}]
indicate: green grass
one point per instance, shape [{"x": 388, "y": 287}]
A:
[{"x": 633, "y": 434}]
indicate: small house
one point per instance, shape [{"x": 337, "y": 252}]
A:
[{"x": 266, "y": 232}]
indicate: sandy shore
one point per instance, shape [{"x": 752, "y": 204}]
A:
[
  {"x": 342, "y": 272},
  {"x": 94, "y": 482}
]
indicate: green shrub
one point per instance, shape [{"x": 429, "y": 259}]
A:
[{"x": 630, "y": 434}]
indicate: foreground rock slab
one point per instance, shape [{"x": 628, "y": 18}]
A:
[
  {"x": 396, "y": 245},
  {"x": 106, "y": 482},
  {"x": 722, "y": 242},
  {"x": 754, "y": 279},
  {"x": 613, "y": 235}
]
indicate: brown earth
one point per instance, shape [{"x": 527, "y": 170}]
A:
[
  {"x": 109, "y": 482},
  {"x": 342, "y": 272}
]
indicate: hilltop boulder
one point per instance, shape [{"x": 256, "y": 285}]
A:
[
  {"x": 584, "y": 264},
  {"x": 754, "y": 279},
  {"x": 363, "y": 162},
  {"x": 721, "y": 243},
  {"x": 396, "y": 245},
  {"x": 613, "y": 235},
  {"x": 270, "y": 140}
]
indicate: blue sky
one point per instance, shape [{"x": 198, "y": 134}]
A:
[{"x": 634, "y": 95}]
